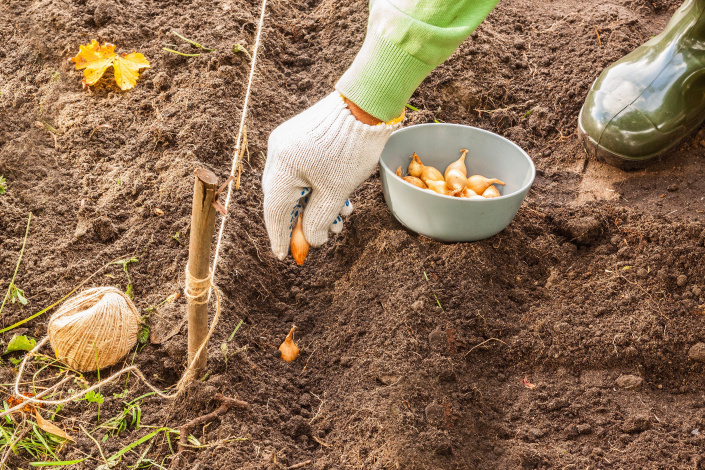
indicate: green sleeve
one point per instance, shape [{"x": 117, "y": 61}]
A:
[{"x": 406, "y": 40}]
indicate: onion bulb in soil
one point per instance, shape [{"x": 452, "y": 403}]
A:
[
  {"x": 289, "y": 350},
  {"x": 479, "y": 183},
  {"x": 299, "y": 245},
  {"x": 415, "y": 167},
  {"x": 491, "y": 192}
]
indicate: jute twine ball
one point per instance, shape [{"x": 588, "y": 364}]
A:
[{"x": 101, "y": 323}]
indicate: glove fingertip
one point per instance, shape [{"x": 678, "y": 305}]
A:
[
  {"x": 347, "y": 208},
  {"x": 337, "y": 225}
]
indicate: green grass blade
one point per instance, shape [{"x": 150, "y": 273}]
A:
[
  {"x": 193, "y": 43},
  {"x": 232, "y": 335},
  {"x": 139, "y": 441},
  {"x": 56, "y": 464},
  {"x": 43, "y": 441},
  {"x": 179, "y": 53},
  {"x": 17, "y": 267}
]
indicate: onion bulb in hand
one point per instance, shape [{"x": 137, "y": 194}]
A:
[{"x": 299, "y": 245}]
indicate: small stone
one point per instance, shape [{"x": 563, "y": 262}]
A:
[
  {"x": 103, "y": 13},
  {"x": 161, "y": 81},
  {"x": 447, "y": 375},
  {"x": 697, "y": 352},
  {"x": 630, "y": 382},
  {"x": 305, "y": 399},
  {"x": 437, "y": 340},
  {"x": 417, "y": 306},
  {"x": 104, "y": 229},
  {"x": 584, "y": 429},
  {"x": 571, "y": 431},
  {"x": 443, "y": 448},
  {"x": 624, "y": 253},
  {"x": 682, "y": 280},
  {"x": 636, "y": 424},
  {"x": 501, "y": 377},
  {"x": 642, "y": 273},
  {"x": 435, "y": 414},
  {"x": 697, "y": 291},
  {"x": 584, "y": 230},
  {"x": 630, "y": 351},
  {"x": 673, "y": 187}
]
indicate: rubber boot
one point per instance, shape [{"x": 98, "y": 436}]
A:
[{"x": 648, "y": 101}]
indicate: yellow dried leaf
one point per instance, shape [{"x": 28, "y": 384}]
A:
[
  {"x": 95, "y": 59},
  {"x": 127, "y": 68},
  {"x": 50, "y": 427}
]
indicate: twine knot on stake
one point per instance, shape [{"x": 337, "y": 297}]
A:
[
  {"x": 94, "y": 329},
  {"x": 197, "y": 291}
]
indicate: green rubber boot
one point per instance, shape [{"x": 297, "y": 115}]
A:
[{"x": 648, "y": 101}]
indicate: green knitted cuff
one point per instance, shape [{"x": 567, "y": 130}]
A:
[{"x": 382, "y": 78}]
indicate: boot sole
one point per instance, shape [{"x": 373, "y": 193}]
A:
[
  {"x": 620, "y": 161},
  {"x": 605, "y": 156}
]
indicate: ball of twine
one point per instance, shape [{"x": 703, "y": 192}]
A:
[{"x": 94, "y": 329}]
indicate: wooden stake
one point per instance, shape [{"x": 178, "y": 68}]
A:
[{"x": 199, "y": 251}]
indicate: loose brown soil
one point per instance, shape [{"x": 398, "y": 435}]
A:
[{"x": 414, "y": 353}]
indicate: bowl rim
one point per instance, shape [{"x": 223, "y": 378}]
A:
[{"x": 522, "y": 189}]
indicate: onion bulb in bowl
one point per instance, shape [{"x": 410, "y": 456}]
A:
[
  {"x": 438, "y": 187},
  {"x": 458, "y": 165},
  {"x": 411, "y": 179},
  {"x": 431, "y": 174},
  {"x": 491, "y": 192},
  {"x": 415, "y": 181},
  {"x": 467, "y": 193},
  {"x": 479, "y": 183},
  {"x": 415, "y": 167}
]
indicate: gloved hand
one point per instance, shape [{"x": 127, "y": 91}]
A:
[{"x": 326, "y": 152}]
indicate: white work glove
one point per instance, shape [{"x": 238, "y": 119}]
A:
[{"x": 326, "y": 152}]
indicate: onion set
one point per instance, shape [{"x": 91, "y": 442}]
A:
[
  {"x": 299, "y": 245},
  {"x": 454, "y": 181},
  {"x": 289, "y": 350}
]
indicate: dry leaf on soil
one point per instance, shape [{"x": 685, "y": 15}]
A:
[
  {"x": 50, "y": 427},
  {"x": 96, "y": 59}
]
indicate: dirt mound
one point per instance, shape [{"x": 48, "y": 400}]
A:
[{"x": 566, "y": 341}]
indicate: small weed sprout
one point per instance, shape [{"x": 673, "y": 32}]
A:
[
  {"x": 238, "y": 48},
  {"x": 124, "y": 263},
  {"x": 3, "y": 185},
  {"x": 17, "y": 295}
]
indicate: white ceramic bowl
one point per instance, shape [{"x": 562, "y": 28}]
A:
[{"x": 447, "y": 218}]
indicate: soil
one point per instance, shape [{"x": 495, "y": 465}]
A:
[{"x": 562, "y": 342}]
